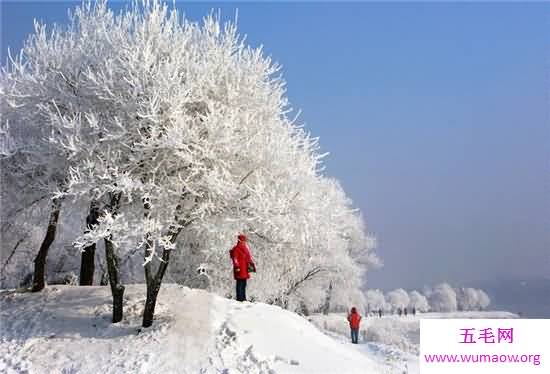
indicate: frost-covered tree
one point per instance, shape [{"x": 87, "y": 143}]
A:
[
  {"x": 337, "y": 246},
  {"x": 466, "y": 298},
  {"x": 375, "y": 300},
  {"x": 443, "y": 298},
  {"x": 51, "y": 102},
  {"x": 398, "y": 299},
  {"x": 32, "y": 169},
  {"x": 297, "y": 262},
  {"x": 471, "y": 299},
  {"x": 181, "y": 133},
  {"x": 483, "y": 300},
  {"x": 418, "y": 301}
]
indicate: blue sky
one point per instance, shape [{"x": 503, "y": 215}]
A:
[{"x": 435, "y": 116}]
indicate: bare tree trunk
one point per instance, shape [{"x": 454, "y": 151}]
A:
[
  {"x": 153, "y": 288},
  {"x": 39, "y": 281},
  {"x": 117, "y": 289},
  {"x": 154, "y": 281},
  {"x": 2, "y": 271},
  {"x": 87, "y": 264},
  {"x": 326, "y": 306},
  {"x": 304, "y": 308}
]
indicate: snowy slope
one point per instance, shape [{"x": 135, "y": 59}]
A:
[{"x": 66, "y": 330}]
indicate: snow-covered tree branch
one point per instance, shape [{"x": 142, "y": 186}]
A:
[{"x": 180, "y": 133}]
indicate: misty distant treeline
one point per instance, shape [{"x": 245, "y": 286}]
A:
[{"x": 440, "y": 298}]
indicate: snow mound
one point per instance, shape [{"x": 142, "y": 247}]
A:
[{"x": 67, "y": 329}]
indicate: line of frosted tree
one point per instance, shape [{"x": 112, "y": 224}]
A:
[
  {"x": 155, "y": 140},
  {"x": 440, "y": 298}
]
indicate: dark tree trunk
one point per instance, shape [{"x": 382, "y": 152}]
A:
[
  {"x": 39, "y": 276},
  {"x": 153, "y": 288},
  {"x": 149, "y": 311},
  {"x": 11, "y": 255},
  {"x": 326, "y": 306},
  {"x": 304, "y": 308},
  {"x": 117, "y": 289},
  {"x": 87, "y": 264},
  {"x": 154, "y": 281}
]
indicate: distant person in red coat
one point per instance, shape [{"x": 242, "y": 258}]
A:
[
  {"x": 354, "y": 320},
  {"x": 243, "y": 265}
]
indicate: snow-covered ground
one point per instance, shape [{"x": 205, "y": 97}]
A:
[{"x": 67, "y": 329}]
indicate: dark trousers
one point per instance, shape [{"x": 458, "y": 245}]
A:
[
  {"x": 241, "y": 289},
  {"x": 354, "y": 335}
]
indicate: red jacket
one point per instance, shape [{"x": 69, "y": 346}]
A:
[
  {"x": 240, "y": 255},
  {"x": 354, "y": 319}
]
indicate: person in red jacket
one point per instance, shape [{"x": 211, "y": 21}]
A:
[
  {"x": 354, "y": 320},
  {"x": 243, "y": 265}
]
